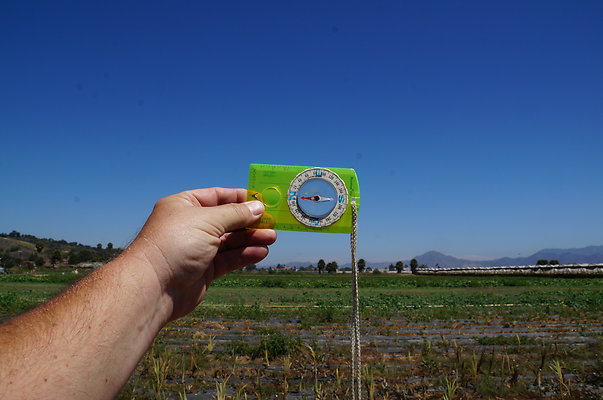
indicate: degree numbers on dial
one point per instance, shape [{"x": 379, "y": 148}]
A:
[{"x": 317, "y": 197}]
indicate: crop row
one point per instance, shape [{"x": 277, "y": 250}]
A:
[
  {"x": 335, "y": 281},
  {"x": 305, "y": 281}
]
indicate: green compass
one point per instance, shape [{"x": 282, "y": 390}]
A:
[{"x": 308, "y": 199}]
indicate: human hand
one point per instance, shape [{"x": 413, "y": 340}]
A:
[{"x": 194, "y": 237}]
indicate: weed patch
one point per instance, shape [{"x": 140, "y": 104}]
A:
[
  {"x": 15, "y": 303},
  {"x": 273, "y": 344}
]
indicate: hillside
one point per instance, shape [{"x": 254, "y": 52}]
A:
[{"x": 28, "y": 251}]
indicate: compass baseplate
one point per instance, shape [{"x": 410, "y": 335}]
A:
[{"x": 297, "y": 198}]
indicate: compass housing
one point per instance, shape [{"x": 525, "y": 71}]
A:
[{"x": 305, "y": 194}]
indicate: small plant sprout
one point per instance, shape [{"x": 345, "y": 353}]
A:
[
  {"x": 317, "y": 388},
  {"x": 339, "y": 378},
  {"x": 451, "y": 387},
  {"x": 287, "y": 364},
  {"x": 221, "y": 388},
  {"x": 444, "y": 343},
  {"x": 557, "y": 369},
  {"x": 211, "y": 344},
  {"x": 474, "y": 365},
  {"x": 240, "y": 394},
  {"x": 160, "y": 366},
  {"x": 370, "y": 382},
  {"x": 505, "y": 365},
  {"x": 427, "y": 346}
]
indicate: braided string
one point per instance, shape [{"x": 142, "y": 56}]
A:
[{"x": 356, "y": 361}]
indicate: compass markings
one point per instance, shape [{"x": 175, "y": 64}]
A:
[{"x": 326, "y": 181}]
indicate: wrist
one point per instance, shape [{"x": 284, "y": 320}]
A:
[{"x": 139, "y": 264}]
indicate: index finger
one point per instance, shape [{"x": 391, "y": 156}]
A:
[{"x": 217, "y": 196}]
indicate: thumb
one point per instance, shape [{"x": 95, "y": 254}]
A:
[{"x": 233, "y": 216}]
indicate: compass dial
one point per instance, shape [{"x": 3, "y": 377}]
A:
[{"x": 317, "y": 197}]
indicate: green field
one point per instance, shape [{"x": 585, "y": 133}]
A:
[{"x": 275, "y": 336}]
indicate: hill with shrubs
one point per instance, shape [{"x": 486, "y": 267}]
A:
[{"x": 22, "y": 251}]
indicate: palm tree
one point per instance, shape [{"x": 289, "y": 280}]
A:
[
  {"x": 320, "y": 265},
  {"x": 414, "y": 265},
  {"x": 399, "y": 267},
  {"x": 361, "y": 265},
  {"x": 332, "y": 267}
]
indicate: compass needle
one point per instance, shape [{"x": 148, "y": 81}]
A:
[{"x": 317, "y": 198}]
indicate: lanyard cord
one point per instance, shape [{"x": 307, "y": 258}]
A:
[{"x": 356, "y": 362}]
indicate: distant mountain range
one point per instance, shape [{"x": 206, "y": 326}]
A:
[
  {"x": 589, "y": 255},
  {"x": 22, "y": 246}
]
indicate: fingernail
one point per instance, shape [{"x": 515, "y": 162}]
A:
[{"x": 256, "y": 207}]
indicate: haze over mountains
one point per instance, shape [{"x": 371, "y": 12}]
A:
[{"x": 589, "y": 254}]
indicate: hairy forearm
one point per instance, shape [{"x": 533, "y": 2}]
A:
[{"x": 86, "y": 342}]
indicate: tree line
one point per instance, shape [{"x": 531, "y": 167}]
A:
[{"x": 332, "y": 267}]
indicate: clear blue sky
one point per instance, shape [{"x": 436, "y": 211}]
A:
[{"x": 476, "y": 128}]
